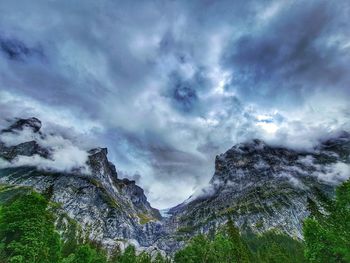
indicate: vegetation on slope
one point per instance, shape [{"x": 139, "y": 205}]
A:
[
  {"x": 28, "y": 234},
  {"x": 327, "y": 230},
  {"x": 228, "y": 246}
]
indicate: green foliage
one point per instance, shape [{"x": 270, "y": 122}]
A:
[
  {"x": 275, "y": 247},
  {"x": 160, "y": 259},
  {"x": 28, "y": 235},
  {"x": 71, "y": 235},
  {"x": 327, "y": 233},
  {"x": 86, "y": 254},
  {"x": 240, "y": 251},
  {"x": 129, "y": 256},
  {"x": 198, "y": 250},
  {"x": 229, "y": 246},
  {"x": 27, "y": 231}
]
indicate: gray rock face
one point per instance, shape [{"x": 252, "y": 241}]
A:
[
  {"x": 29, "y": 148},
  {"x": 260, "y": 186},
  {"x": 110, "y": 210},
  {"x": 263, "y": 187},
  {"x": 25, "y": 149}
]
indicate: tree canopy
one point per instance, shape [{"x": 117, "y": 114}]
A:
[{"x": 327, "y": 230}]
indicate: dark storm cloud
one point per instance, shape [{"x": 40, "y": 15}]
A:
[
  {"x": 291, "y": 56},
  {"x": 185, "y": 96},
  {"x": 183, "y": 93},
  {"x": 167, "y": 85},
  {"x": 17, "y": 50},
  {"x": 79, "y": 39}
]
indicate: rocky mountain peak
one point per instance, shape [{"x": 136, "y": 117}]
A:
[
  {"x": 253, "y": 159},
  {"x": 111, "y": 211},
  {"x": 32, "y": 123},
  {"x": 98, "y": 151},
  {"x": 99, "y": 164},
  {"x": 266, "y": 187},
  {"x": 29, "y": 148},
  {"x": 259, "y": 186}
]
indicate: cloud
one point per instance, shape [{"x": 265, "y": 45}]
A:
[
  {"x": 16, "y": 50},
  {"x": 168, "y": 85},
  {"x": 291, "y": 57},
  {"x": 64, "y": 154},
  {"x": 67, "y": 159},
  {"x": 335, "y": 173}
]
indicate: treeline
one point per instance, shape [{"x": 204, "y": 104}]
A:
[
  {"x": 27, "y": 234},
  {"x": 327, "y": 230},
  {"x": 228, "y": 246},
  {"x": 326, "y": 238}
]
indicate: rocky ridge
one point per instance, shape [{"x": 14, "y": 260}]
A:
[
  {"x": 260, "y": 186},
  {"x": 111, "y": 211},
  {"x": 264, "y": 187}
]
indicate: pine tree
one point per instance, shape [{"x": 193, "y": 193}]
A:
[
  {"x": 312, "y": 207},
  {"x": 198, "y": 250},
  {"x": 240, "y": 249},
  {"x": 129, "y": 255},
  {"x": 27, "y": 231},
  {"x": 327, "y": 237}
]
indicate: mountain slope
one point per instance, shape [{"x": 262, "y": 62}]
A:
[
  {"x": 260, "y": 186},
  {"x": 110, "y": 210},
  {"x": 264, "y": 187}
]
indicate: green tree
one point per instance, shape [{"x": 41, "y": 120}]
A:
[
  {"x": 198, "y": 250},
  {"x": 327, "y": 236},
  {"x": 143, "y": 258},
  {"x": 240, "y": 249},
  {"x": 226, "y": 247},
  {"x": 160, "y": 259},
  {"x": 222, "y": 250},
  {"x": 86, "y": 254},
  {"x": 272, "y": 246},
  {"x": 27, "y": 231},
  {"x": 129, "y": 256}
]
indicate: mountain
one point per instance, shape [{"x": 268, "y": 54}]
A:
[
  {"x": 110, "y": 210},
  {"x": 260, "y": 186},
  {"x": 264, "y": 187}
]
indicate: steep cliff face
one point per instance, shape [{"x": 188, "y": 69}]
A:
[
  {"x": 263, "y": 187},
  {"x": 110, "y": 210},
  {"x": 259, "y": 186}
]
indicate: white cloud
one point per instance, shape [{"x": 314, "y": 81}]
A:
[
  {"x": 64, "y": 155},
  {"x": 334, "y": 173}
]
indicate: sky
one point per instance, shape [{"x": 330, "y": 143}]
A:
[{"x": 167, "y": 85}]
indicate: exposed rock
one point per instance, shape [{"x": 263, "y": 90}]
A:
[
  {"x": 263, "y": 187},
  {"x": 25, "y": 149},
  {"x": 260, "y": 186},
  {"x": 112, "y": 211}
]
